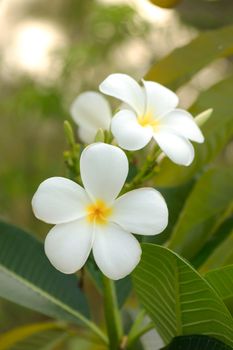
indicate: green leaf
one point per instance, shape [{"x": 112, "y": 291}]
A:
[
  {"x": 196, "y": 342},
  {"x": 179, "y": 66},
  {"x": 177, "y": 299},
  {"x": 222, "y": 281},
  {"x": 217, "y": 130},
  {"x": 217, "y": 251},
  {"x": 210, "y": 197},
  {"x": 222, "y": 254},
  {"x": 39, "y": 336},
  {"x": 27, "y": 278}
]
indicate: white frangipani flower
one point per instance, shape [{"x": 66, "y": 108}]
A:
[
  {"x": 152, "y": 113},
  {"x": 94, "y": 218},
  {"x": 91, "y": 112}
]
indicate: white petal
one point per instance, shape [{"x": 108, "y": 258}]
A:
[
  {"x": 125, "y": 89},
  {"x": 160, "y": 99},
  {"x": 177, "y": 148},
  {"x": 104, "y": 169},
  {"x": 116, "y": 251},
  {"x": 91, "y": 111},
  {"x": 143, "y": 211},
  {"x": 183, "y": 124},
  {"x": 59, "y": 200},
  {"x": 68, "y": 246},
  {"x": 128, "y": 133}
]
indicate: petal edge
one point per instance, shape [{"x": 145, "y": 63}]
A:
[
  {"x": 126, "y": 89},
  {"x": 142, "y": 211},
  {"x": 104, "y": 169},
  {"x": 59, "y": 200},
  {"x": 176, "y": 147},
  {"x": 116, "y": 251},
  {"x": 68, "y": 246}
]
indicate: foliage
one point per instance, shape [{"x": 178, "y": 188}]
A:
[
  {"x": 178, "y": 300},
  {"x": 204, "y": 14},
  {"x": 196, "y": 342},
  {"x": 28, "y": 278},
  {"x": 44, "y": 335},
  {"x": 206, "y": 204},
  {"x": 175, "y": 69},
  {"x": 222, "y": 281}
]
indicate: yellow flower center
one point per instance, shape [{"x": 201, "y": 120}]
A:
[
  {"x": 98, "y": 212},
  {"x": 148, "y": 120}
]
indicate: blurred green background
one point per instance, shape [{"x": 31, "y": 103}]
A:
[{"x": 52, "y": 51}]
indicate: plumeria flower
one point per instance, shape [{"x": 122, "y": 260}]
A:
[
  {"x": 91, "y": 112},
  {"x": 94, "y": 218},
  {"x": 152, "y": 113}
]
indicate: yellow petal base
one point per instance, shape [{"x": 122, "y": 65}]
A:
[{"x": 98, "y": 212}]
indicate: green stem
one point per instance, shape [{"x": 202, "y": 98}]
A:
[
  {"x": 112, "y": 314},
  {"x": 146, "y": 171},
  {"x": 134, "y": 336},
  {"x": 137, "y": 323}
]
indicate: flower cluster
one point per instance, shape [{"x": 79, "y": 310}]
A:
[
  {"x": 149, "y": 111},
  {"x": 97, "y": 216}
]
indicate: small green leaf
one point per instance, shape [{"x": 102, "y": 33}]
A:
[
  {"x": 177, "y": 299},
  {"x": 100, "y": 136},
  {"x": 27, "y": 278},
  {"x": 210, "y": 197},
  {"x": 196, "y": 342},
  {"x": 69, "y": 133},
  {"x": 202, "y": 117}
]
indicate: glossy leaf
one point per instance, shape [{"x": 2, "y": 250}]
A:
[
  {"x": 218, "y": 130},
  {"x": 177, "y": 299},
  {"x": 222, "y": 281},
  {"x": 196, "y": 342},
  {"x": 27, "y": 278},
  {"x": 180, "y": 65},
  {"x": 34, "y": 336},
  {"x": 210, "y": 197}
]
